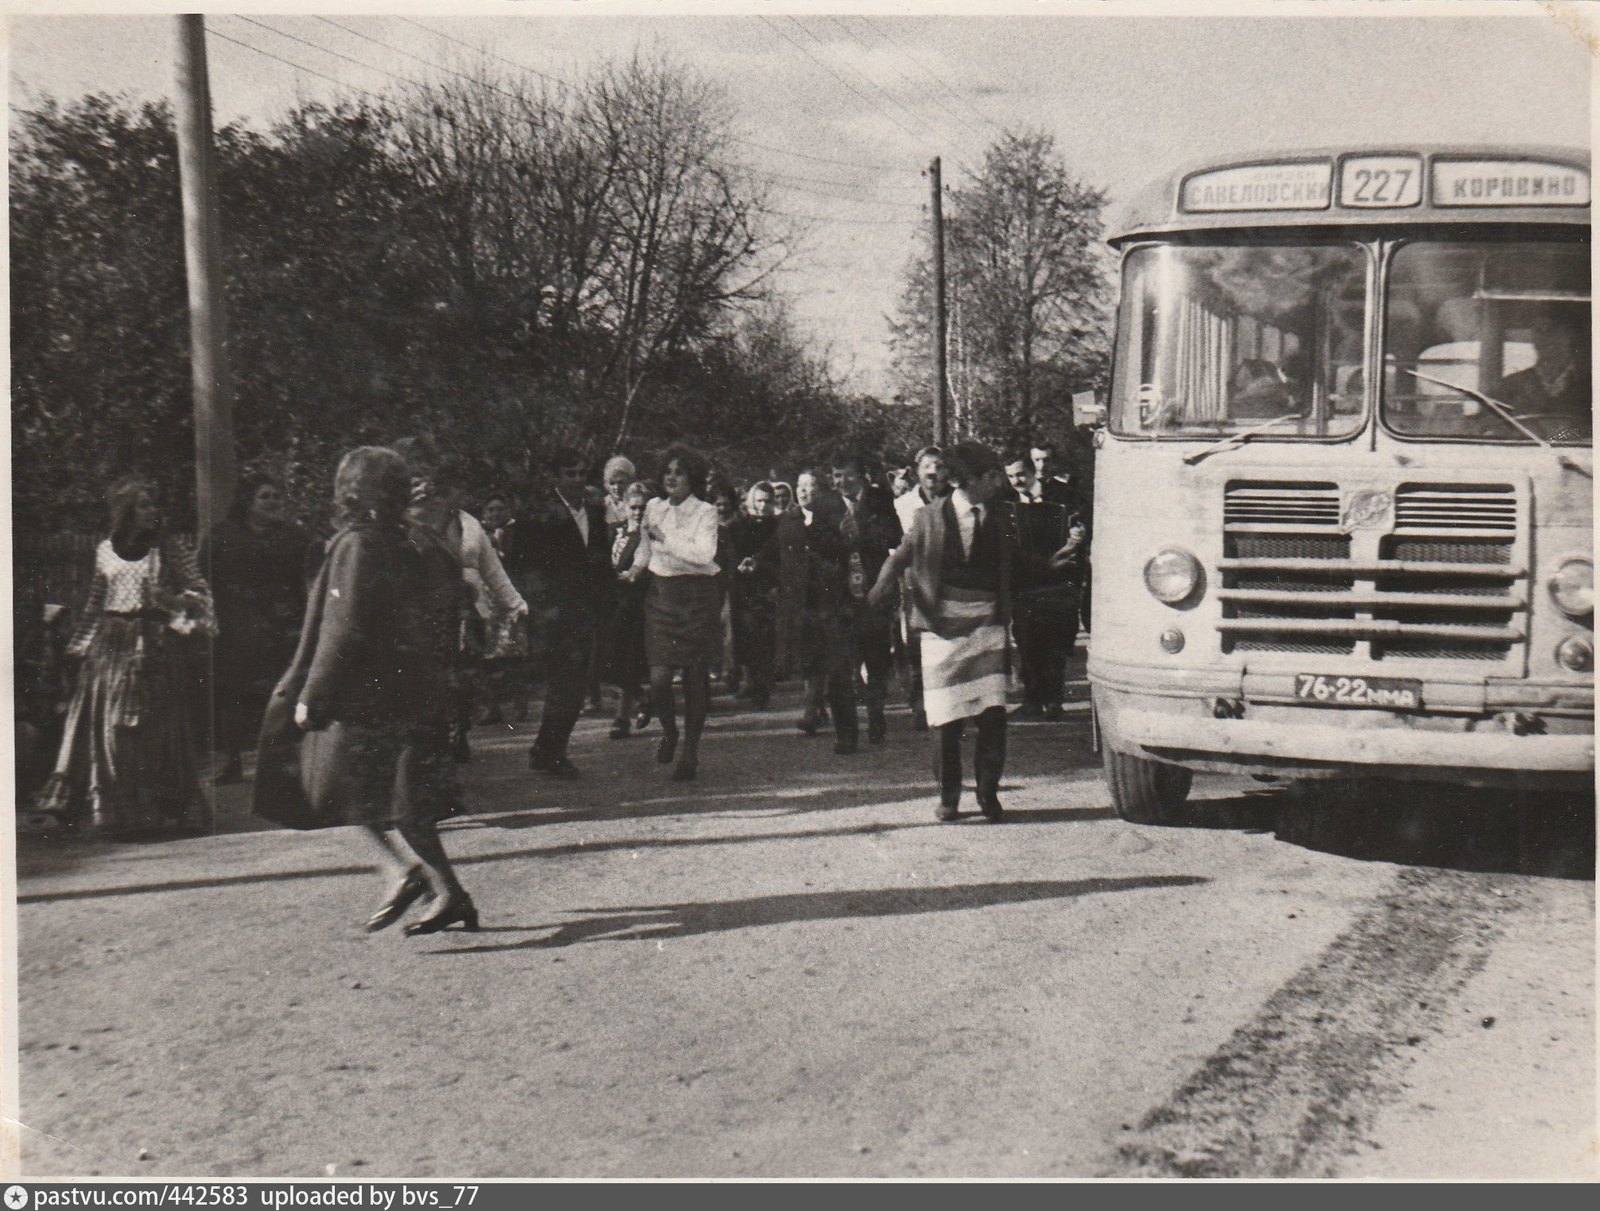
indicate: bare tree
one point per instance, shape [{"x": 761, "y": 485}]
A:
[
  {"x": 1028, "y": 281},
  {"x": 690, "y": 240},
  {"x": 596, "y": 232}
]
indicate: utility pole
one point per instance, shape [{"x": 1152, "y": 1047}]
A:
[
  {"x": 941, "y": 389},
  {"x": 202, "y": 245}
]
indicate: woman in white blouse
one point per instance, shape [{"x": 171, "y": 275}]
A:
[{"x": 683, "y": 603}]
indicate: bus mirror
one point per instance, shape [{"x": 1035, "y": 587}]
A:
[{"x": 1085, "y": 411}]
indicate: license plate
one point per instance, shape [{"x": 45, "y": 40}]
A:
[{"x": 1395, "y": 693}]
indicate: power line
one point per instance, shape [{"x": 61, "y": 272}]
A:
[
  {"x": 301, "y": 67},
  {"x": 418, "y": 58},
  {"x": 854, "y": 91},
  {"x": 327, "y": 51},
  {"x": 782, "y": 151},
  {"x": 871, "y": 83},
  {"x": 817, "y": 218},
  {"x": 904, "y": 75},
  {"x": 798, "y": 184},
  {"x": 767, "y": 211},
  {"x": 556, "y": 80},
  {"x": 778, "y": 176},
  {"x": 931, "y": 74}
]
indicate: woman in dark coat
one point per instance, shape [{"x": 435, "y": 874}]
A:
[
  {"x": 127, "y": 762},
  {"x": 367, "y": 684},
  {"x": 254, "y": 561}
]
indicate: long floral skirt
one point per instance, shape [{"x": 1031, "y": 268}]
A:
[{"x": 127, "y": 762}]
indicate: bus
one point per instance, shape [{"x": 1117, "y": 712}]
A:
[{"x": 1344, "y": 496}]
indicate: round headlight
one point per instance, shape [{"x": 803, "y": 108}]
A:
[
  {"x": 1572, "y": 587},
  {"x": 1172, "y": 576}
]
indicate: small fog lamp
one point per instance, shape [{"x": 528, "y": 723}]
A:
[
  {"x": 1172, "y": 641},
  {"x": 1576, "y": 653}
]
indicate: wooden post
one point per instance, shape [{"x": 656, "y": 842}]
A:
[
  {"x": 941, "y": 380},
  {"x": 202, "y": 244}
]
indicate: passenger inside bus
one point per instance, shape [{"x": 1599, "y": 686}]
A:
[
  {"x": 1257, "y": 389},
  {"x": 1553, "y": 394},
  {"x": 1509, "y": 320}
]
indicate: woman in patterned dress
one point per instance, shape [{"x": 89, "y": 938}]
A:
[{"x": 127, "y": 762}]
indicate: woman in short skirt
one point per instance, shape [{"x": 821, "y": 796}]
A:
[
  {"x": 367, "y": 684},
  {"x": 683, "y": 604}
]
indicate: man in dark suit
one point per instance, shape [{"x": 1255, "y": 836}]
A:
[
  {"x": 813, "y": 577},
  {"x": 870, "y": 530},
  {"x": 1047, "y": 615},
  {"x": 564, "y": 547}
]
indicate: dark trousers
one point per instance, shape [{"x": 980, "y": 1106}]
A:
[
  {"x": 988, "y": 760},
  {"x": 914, "y": 672},
  {"x": 1045, "y": 632},
  {"x": 860, "y": 636},
  {"x": 566, "y": 678},
  {"x": 754, "y": 638}
]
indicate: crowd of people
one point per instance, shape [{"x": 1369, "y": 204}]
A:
[{"x": 419, "y": 619}]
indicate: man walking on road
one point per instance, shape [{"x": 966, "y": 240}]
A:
[
  {"x": 564, "y": 544},
  {"x": 1074, "y": 491},
  {"x": 959, "y": 561},
  {"x": 870, "y": 530},
  {"x": 1046, "y": 622}
]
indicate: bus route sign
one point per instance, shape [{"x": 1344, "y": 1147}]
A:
[{"x": 1508, "y": 183}]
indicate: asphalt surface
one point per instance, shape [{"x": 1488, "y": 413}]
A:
[{"x": 790, "y": 969}]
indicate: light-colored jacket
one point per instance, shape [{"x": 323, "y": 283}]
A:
[{"x": 496, "y": 597}]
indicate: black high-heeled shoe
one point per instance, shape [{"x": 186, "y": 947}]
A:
[
  {"x": 463, "y": 912},
  {"x": 667, "y": 749},
  {"x": 411, "y": 889}
]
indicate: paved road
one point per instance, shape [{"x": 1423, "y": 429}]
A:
[{"x": 790, "y": 969}]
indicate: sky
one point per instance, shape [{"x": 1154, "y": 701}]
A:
[{"x": 840, "y": 107}]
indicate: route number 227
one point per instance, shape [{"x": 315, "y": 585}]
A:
[{"x": 1379, "y": 184}]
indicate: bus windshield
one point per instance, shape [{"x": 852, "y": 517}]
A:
[
  {"x": 1507, "y": 320},
  {"x": 1230, "y": 339}
]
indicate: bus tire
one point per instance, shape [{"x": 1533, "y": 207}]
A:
[{"x": 1145, "y": 791}]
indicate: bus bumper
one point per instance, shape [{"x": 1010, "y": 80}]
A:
[{"x": 1178, "y": 723}]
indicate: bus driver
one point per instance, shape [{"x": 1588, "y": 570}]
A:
[{"x": 1556, "y": 388}]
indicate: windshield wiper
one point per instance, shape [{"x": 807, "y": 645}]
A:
[
  {"x": 1504, "y": 412},
  {"x": 1234, "y": 440}
]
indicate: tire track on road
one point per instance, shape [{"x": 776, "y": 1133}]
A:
[{"x": 1297, "y": 1088}]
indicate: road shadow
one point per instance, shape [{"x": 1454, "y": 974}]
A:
[
  {"x": 666, "y": 921},
  {"x": 1421, "y": 824},
  {"x": 1459, "y": 828}
]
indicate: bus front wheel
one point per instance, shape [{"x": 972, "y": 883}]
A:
[{"x": 1147, "y": 792}]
